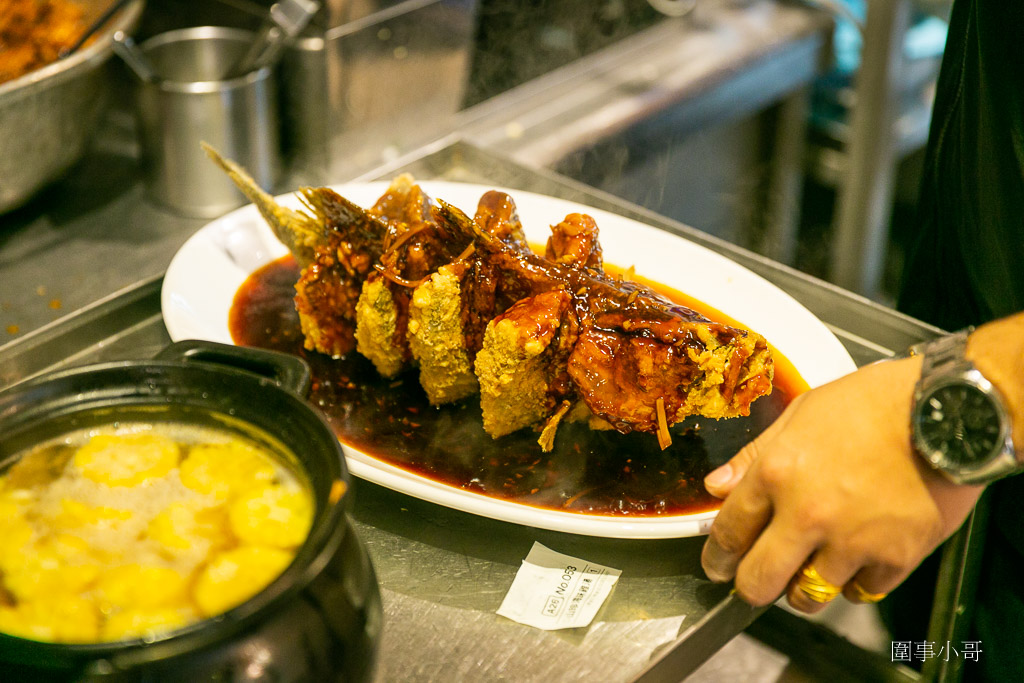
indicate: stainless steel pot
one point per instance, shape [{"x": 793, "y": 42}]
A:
[
  {"x": 319, "y": 621},
  {"x": 195, "y": 98},
  {"x": 48, "y": 115}
]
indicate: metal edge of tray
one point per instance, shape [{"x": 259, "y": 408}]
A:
[{"x": 88, "y": 334}]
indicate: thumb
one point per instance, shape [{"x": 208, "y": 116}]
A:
[{"x": 722, "y": 480}]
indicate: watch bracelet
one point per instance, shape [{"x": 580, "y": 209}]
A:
[{"x": 941, "y": 351}]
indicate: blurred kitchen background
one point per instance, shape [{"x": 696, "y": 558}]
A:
[
  {"x": 732, "y": 116},
  {"x": 736, "y": 117}
]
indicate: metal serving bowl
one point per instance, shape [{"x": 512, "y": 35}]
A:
[{"x": 48, "y": 115}]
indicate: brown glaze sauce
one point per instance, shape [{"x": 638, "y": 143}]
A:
[{"x": 590, "y": 472}]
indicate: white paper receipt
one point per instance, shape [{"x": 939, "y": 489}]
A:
[{"x": 553, "y": 591}]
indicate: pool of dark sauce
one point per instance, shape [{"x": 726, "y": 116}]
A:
[{"x": 590, "y": 472}]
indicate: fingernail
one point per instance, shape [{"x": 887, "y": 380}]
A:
[{"x": 719, "y": 477}]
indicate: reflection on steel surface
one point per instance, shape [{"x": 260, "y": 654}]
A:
[{"x": 381, "y": 79}]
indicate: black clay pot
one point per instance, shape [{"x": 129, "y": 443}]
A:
[{"x": 318, "y": 621}]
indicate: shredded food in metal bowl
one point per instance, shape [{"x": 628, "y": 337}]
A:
[{"x": 33, "y": 33}]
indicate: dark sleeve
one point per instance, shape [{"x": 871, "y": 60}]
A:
[{"x": 966, "y": 262}]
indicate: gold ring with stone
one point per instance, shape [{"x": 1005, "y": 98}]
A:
[
  {"x": 861, "y": 595},
  {"x": 815, "y": 587}
]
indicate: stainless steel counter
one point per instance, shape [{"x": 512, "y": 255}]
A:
[
  {"x": 87, "y": 236},
  {"x": 444, "y": 573}
]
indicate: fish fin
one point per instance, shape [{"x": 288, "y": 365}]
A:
[{"x": 296, "y": 230}]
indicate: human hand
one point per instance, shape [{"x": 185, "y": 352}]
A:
[{"x": 834, "y": 482}]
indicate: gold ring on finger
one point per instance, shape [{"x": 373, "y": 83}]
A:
[
  {"x": 815, "y": 587},
  {"x": 861, "y": 595}
]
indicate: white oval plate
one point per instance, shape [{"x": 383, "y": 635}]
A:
[{"x": 207, "y": 271}]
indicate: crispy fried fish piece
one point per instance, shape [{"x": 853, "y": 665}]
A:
[
  {"x": 327, "y": 291},
  {"x": 518, "y": 363},
  {"x": 640, "y": 376},
  {"x": 437, "y": 338},
  {"x": 450, "y": 310},
  {"x": 408, "y": 310},
  {"x": 522, "y": 365},
  {"x": 378, "y": 327},
  {"x": 574, "y": 243},
  {"x": 411, "y": 250},
  {"x": 641, "y": 362}
]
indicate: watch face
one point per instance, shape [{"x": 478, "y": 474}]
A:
[{"x": 960, "y": 422}]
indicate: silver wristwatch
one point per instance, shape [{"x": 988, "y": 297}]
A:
[{"x": 960, "y": 423}]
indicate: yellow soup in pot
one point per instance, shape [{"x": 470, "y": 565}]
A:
[{"x": 118, "y": 533}]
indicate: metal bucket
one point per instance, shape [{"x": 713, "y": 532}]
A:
[{"x": 195, "y": 99}]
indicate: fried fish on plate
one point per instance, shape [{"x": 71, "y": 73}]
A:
[{"x": 545, "y": 338}]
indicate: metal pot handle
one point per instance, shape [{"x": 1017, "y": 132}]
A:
[{"x": 290, "y": 372}]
